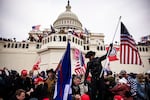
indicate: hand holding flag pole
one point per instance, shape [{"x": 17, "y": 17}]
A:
[{"x": 111, "y": 45}]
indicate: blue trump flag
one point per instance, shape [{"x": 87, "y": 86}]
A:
[{"x": 63, "y": 85}]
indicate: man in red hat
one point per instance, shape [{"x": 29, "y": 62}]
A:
[{"x": 23, "y": 81}]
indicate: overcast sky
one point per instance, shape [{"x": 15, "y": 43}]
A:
[{"x": 100, "y": 16}]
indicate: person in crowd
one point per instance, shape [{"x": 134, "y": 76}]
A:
[
  {"x": 4, "y": 84},
  {"x": 94, "y": 66},
  {"x": 131, "y": 81},
  {"x": 76, "y": 95},
  {"x": 122, "y": 89},
  {"x": 31, "y": 74},
  {"x": 83, "y": 88},
  {"x": 40, "y": 91},
  {"x": 19, "y": 95},
  {"x": 23, "y": 81},
  {"x": 147, "y": 85},
  {"x": 109, "y": 84},
  {"x": 7, "y": 79},
  {"x": 50, "y": 81},
  {"x": 141, "y": 94},
  {"x": 43, "y": 75}
]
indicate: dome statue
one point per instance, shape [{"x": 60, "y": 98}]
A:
[{"x": 67, "y": 20}]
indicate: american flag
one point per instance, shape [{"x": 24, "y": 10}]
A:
[
  {"x": 52, "y": 29},
  {"x": 86, "y": 31},
  {"x": 80, "y": 67},
  {"x": 128, "y": 51},
  {"x": 37, "y": 27}
]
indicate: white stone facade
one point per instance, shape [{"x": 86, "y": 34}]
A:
[{"x": 23, "y": 55}]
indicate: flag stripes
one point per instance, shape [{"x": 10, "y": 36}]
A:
[
  {"x": 80, "y": 67},
  {"x": 128, "y": 51},
  {"x": 64, "y": 77}
]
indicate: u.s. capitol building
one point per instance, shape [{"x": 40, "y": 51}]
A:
[{"x": 49, "y": 46}]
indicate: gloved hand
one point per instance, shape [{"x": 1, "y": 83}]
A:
[{"x": 111, "y": 45}]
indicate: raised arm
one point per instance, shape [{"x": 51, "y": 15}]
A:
[{"x": 108, "y": 52}]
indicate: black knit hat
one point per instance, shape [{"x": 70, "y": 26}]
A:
[
  {"x": 89, "y": 54},
  {"x": 50, "y": 71}
]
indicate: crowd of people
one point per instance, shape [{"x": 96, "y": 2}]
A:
[
  {"x": 93, "y": 86},
  {"x": 7, "y": 39},
  {"x": 27, "y": 86},
  {"x": 41, "y": 86}
]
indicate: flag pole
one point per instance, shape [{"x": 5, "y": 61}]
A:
[{"x": 109, "y": 48}]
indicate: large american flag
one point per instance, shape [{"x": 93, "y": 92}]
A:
[
  {"x": 128, "y": 51},
  {"x": 80, "y": 67}
]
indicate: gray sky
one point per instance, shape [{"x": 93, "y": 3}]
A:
[{"x": 101, "y": 16}]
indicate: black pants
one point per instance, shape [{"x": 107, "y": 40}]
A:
[{"x": 97, "y": 89}]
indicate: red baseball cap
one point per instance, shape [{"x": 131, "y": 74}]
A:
[
  {"x": 37, "y": 80},
  {"x": 85, "y": 97},
  {"x": 118, "y": 97},
  {"x": 24, "y": 72}
]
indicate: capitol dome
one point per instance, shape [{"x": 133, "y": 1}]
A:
[{"x": 67, "y": 20}]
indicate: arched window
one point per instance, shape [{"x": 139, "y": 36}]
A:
[
  {"x": 64, "y": 38},
  {"x": 79, "y": 42},
  {"x": 140, "y": 48},
  {"x": 97, "y": 47},
  {"x": 88, "y": 48},
  {"x": 37, "y": 46},
  {"x": 27, "y": 46},
  {"x": 72, "y": 39},
  {"x": 16, "y": 45},
  {"x": 59, "y": 38},
  {"x": 8, "y": 45},
  {"x": 23, "y": 46},
  {"x": 48, "y": 39},
  {"x": 76, "y": 41},
  {"x": 5, "y": 46},
  {"x": 101, "y": 47},
  {"x": 146, "y": 49},
  {"x": 143, "y": 49},
  {"x": 84, "y": 48},
  {"x": 54, "y": 39}
]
